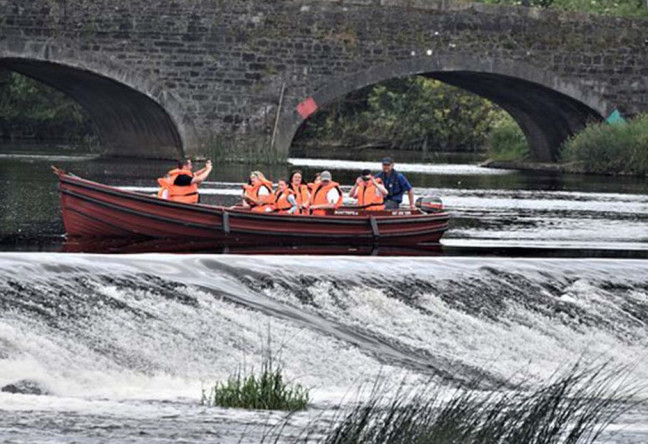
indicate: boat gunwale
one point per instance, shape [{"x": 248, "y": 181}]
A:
[
  {"x": 219, "y": 210},
  {"x": 438, "y": 227}
]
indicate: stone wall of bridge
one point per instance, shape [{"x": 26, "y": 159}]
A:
[{"x": 164, "y": 77}]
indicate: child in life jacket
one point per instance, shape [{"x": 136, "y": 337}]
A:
[{"x": 285, "y": 199}]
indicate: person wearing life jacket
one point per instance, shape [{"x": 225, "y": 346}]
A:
[
  {"x": 316, "y": 181},
  {"x": 326, "y": 195},
  {"x": 369, "y": 191},
  {"x": 285, "y": 199},
  {"x": 302, "y": 195},
  {"x": 257, "y": 194},
  {"x": 181, "y": 184}
]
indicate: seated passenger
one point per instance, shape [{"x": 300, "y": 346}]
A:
[
  {"x": 369, "y": 191},
  {"x": 181, "y": 184},
  {"x": 326, "y": 195},
  {"x": 257, "y": 194},
  {"x": 316, "y": 181},
  {"x": 301, "y": 191},
  {"x": 285, "y": 199}
]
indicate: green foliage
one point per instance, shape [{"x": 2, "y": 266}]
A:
[
  {"x": 611, "y": 149},
  {"x": 266, "y": 391},
  {"x": 30, "y": 109},
  {"x": 506, "y": 141},
  {"x": 405, "y": 112},
  {"x": 621, "y": 8}
]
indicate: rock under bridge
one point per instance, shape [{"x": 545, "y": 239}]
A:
[{"x": 162, "y": 78}]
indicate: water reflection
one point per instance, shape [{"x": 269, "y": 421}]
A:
[
  {"x": 210, "y": 247},
  {"x": 136, "y": 246}
]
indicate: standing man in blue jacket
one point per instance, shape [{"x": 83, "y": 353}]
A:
[{"x": 396, "y": 185}]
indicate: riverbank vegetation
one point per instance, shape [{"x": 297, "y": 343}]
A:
[
  {"x": 506, "y": 141},
  {"x": 34, "y": 111},
  {"x": 619, "y": 8},
  {"x": 415, "y": 114},
  {"x": 610, "y": 149}
]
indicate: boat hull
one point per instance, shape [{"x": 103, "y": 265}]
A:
[{"x": 91, "y": 209}]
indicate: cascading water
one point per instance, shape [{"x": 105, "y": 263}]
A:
[{"x": 125, "y": 337}]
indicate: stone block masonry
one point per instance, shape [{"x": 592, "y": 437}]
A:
[{"x": 165, "y": 77}]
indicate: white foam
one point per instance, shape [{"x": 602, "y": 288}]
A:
[
  {"x": 160, "y": 348},
  {"x": 447, "y": 169}
]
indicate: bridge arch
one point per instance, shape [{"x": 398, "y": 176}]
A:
[
  {"x": 547, "y": 108},
  {"x": 133, "y": 115}
]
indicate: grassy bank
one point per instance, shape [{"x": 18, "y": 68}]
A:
[{"x": 610, "y": 149}]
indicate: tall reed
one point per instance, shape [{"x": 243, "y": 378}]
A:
[{"x": 574, "y": 408}]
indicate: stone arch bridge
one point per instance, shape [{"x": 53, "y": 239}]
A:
[{"x": 162, "y": 78}]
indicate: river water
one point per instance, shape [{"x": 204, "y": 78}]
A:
[{"x": 537, "y": 272}]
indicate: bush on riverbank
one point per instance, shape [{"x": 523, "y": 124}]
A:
[
  {"x": 411, "y": 114},
  {"x": 571, "y": 409},
  {"x": 506, "y": 141},
  {"x": 611, "y": 149}
]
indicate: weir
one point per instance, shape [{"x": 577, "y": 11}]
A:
[{"x": 141, "y": 320}]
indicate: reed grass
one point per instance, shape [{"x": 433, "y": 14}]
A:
[
  {"x": 267, "y": 390},
  {"x": 573, "y": 408},
  {"x": 570, "y": 409}
]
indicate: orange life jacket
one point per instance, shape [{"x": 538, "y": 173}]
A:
[
  {"x": 302, "y": 196},
  {"x": 369, "y": 198},
  {"x": 253, "y": 192},
  {"x": 319, "y": 196},
  {"x": 311, "y": 186},
  {"x": 282, "y": 205},
  {"x": 176, "y": 193}
]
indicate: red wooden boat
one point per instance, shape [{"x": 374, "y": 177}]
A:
[{"x": 91, "y": 209}]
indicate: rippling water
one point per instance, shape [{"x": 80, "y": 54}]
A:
[
  {"x": 493, "y": 211},
  {"x": 124, "y": 344}
]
